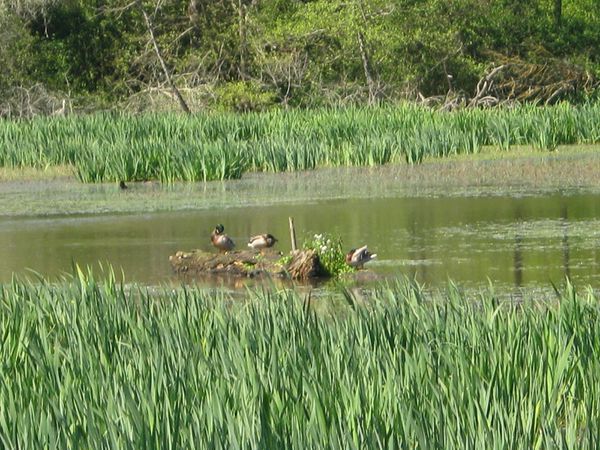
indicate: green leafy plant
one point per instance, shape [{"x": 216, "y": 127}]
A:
[
  {"x": 285, "y": 260},
  {"x": 244, "y": 96},
  {"x": 331, "y": 253}
]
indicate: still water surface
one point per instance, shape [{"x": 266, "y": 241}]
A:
[{"x": 523, "y": 241}]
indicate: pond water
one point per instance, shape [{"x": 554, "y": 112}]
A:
[{"x": 513, "y": 240}]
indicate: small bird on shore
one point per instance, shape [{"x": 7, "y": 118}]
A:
[
  {"x": 261, "y": 241},
  {"x": 221, "y": 240},
  {"x": 122, "y": 185},
  {"x": 357, "y": 257}
]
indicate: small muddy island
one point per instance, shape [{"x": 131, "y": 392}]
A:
[{"x": 299, "y": 264}]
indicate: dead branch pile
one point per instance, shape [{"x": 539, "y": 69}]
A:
[
  {"x": 33, "y": 101},
  {"x": 544, "y": 82},
  {"x": 511, "y": 79}
]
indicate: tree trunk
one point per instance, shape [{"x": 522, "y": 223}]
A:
[
  {"x": 557, "y": 13},
  {"x": 176, "y": 92},
  {"x": 366, "y": 67},
  {"x": 242, "y": 49}
]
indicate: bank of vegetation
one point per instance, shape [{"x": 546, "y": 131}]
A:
[
  {"x": 90, "y": 364},
  {"x": 217, "y": 146},
  {"x": 64, "y": 56}
]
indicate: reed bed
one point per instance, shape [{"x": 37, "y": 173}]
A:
[
  {"x": 97, "y": 365},
  {"x": 203, "y": 147}
]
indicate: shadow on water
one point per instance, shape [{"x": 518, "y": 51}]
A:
[
  {"x": 234, "y": 283},
  {"x": 518, "y": 257},
  {"x": 564, "y": 215}
]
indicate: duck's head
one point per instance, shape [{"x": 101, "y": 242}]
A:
[{"x": 219, "y": 229}]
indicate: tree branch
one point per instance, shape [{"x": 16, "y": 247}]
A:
[{"x": 176, "y": 92}]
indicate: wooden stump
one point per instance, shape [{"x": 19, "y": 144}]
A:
[{"x": 305, "y": 264}]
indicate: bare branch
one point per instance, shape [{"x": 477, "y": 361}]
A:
[{"x": 166, "y": 72}]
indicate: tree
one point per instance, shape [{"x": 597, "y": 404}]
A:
[{"x": 159, "y": 55}]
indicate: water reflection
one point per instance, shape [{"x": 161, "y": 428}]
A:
[
  {"x": 234, "y": 283},
  {"x": 518, "y": 260},
  {"x": 564, "y": 215}
]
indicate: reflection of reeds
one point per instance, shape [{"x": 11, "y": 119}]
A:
[
  {"x": 109, "y": 147},
  {"x": 94, "y": 364}
]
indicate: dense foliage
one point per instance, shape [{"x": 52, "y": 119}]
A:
[
  {"x": 254, "y": 54},
  {"x": 89, "y": 365}
]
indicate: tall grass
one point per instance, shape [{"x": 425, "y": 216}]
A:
[
  {"x": 167, "y": 147},
  {"x": 91, "y": 365}
]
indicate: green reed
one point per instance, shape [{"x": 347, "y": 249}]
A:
[
  {"x": 88, "y": 364},
  {"x": 202, "y": 147}
]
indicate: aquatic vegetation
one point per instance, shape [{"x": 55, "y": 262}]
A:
[
  {"x": 203, "y": 147},
  {"x": 90, "y": 364}
]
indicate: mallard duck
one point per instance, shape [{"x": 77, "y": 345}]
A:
[
  {"x": 220, "y": 240},
  {"x": 357, "y": 257},
  {"x": 261, "y": 241}
]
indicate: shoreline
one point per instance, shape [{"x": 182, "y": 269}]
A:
[{"x": 519, "y": 171}]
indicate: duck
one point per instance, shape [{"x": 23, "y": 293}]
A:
[
  {"x": 357, "y": 257},
  {"x": 261, "y": 241},
  {"x": 221, "y": 240}
]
